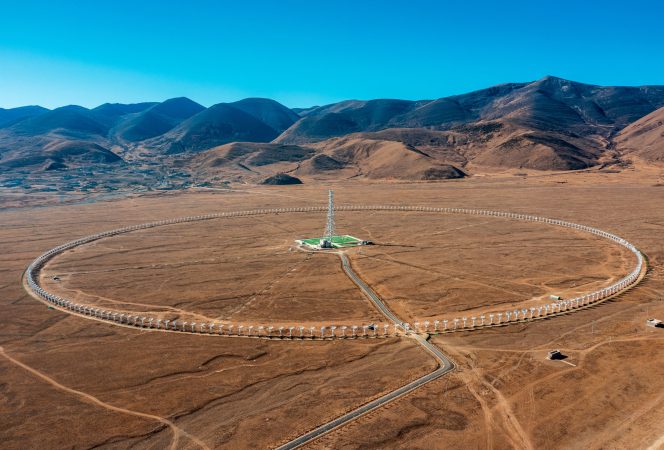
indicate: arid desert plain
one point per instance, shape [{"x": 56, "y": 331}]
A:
[{"x": 73, "y": 381}]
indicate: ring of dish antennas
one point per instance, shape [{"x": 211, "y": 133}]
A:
[{"x": 331, "y": 241}]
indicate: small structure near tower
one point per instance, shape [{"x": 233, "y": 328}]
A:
[
  {"x": 654, "y": 323},
  {"x": 556, "y": 355},
  {"x": 330, "y": 240}
]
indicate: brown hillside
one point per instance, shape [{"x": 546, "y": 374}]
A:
[
  {"x": 61, "y": 154},
  {"x": 252, "y": 154},
  {"x": 376, "y": 159},
  {"x": 548, "y": 104},
  {"x": 245, "y": 161},
  {"x": 499, "y": 143},
  {"x": 644, "y": 138},
  {"x": 537, "y": 151},
  {"x": 334, "y": 159}
]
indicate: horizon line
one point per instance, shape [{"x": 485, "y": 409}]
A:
[{"x": 330, "y": 103}]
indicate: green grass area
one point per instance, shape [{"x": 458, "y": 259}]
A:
[{"x": 337, "y": 241}]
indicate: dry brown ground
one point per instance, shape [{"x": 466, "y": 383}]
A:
[
  {"x": 237, "y": 269},
  {"x": 434, "y": 266},
  {"x": 101, "y": 381},
  {"x": 248, "y": 270},
  {"x": 72, "y": 382}
]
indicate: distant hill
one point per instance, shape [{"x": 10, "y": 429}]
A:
[
  {"x": 339, "y": 158},
  {"x": 245, "y": 161},
  {"x": 644, "y": 138},
  {"x": 271, "y": 113},
  {"x": 301, "y": 112},
  {"x": 12, "y": 115},
  {"x": 68, "y": 120},
  {"x": 549, "y": 104},
  {"x": 63, "y": 155},
  {"x": 343, "y": 118},
  {"x": 66, "y": 137},
  {"x": 562, "y": 105},
  {"x": 547, "y": 124},
  {"x": 109, "y": 113},
  {"x": 353, "y": 157},
  {"x": 120, "y": 109},
  {"x": 499, "y": 143},
  {"x": 156, "y": 120},
  {"x": 217, "y": 125},
  {"x": 250, "y": 154},
  {"x": 174, "y": 126},
  {"x": 281, "y": 179}
]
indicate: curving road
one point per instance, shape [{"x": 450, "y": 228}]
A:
[
  {"x": 373, "y": 297},
  {"x": 443, "y": 360},
  {"x": 444, "y": 365}
]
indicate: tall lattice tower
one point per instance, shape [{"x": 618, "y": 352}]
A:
[{"x": 329, "y": 228}]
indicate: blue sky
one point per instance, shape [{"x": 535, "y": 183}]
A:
[{"x": 307, "y": 52}]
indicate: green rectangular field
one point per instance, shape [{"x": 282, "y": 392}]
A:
[{"x": 337, "y": 241}]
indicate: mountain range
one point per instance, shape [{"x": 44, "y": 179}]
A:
[{"x": 548, "y": 124}]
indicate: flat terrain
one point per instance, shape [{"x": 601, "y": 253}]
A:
[
  {"x": 432, "y": 265},
  {"x": 72, "y": 382},
  {"x": 233, "y": 269},
  {"x": 248, "y": 269}
]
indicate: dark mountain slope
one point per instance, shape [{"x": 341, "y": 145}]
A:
[
  {"x": 57, "y": 135},
  {"x": 281, "y": 179},
  {"x": 217, "y": 125},
  {"x": 110, "y": 113},
  {"x": 68, "y": 120},
  {"x": 557, "y": 104},
  {"x": 271, "y": 113},
  {"x": 301, "y": 112},
  {"x": 549, "y": 104},
  {"x": 345, "y": 117},
  {"x": 156, "y": 120},
  {"x": 62, "y": 155},
  {"x": 12, "y": 115}
]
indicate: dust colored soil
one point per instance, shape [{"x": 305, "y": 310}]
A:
[
  {"x": 244, "y": 269},
  {"x": 433, "y": 266},
  {"x": 73, "y": 382},
  {"x": 249, "y": 270}
]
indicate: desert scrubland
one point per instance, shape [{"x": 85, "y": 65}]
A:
[{"x": 70, "y": 381}]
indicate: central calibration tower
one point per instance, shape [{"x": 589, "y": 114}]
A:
[
  {"x": 326, "y": 240},
  {"x": 329, "y": 238}
]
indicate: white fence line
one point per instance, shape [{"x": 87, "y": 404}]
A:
[{"x": 443, "y": 325}]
